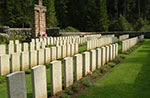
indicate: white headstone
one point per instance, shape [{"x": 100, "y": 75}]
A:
[
  {"x": 68, "y": 71},
  {"x": 15, "y": 62},
  {"x": 40, "y": 56},
  {"x": 33, "y": 58},
  {"x": 4, "y": 65},
  {"x": 24, "y": 61},
  {"x": 39, "y": 84},
  {"x": 16, "y": 85},
  {"x": 56, "y": 77},
  {"x": 78, "y": 67}
]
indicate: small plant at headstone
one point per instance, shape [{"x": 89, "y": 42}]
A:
[
  {"x": 86, "y": 82},
  {"x": 28, "y": 71},
  {"x": 111, "y": 64},
  {"x": 2, "y": 79},
  {"x": 69, "y": 91},
  {"x": 95, "y": 74},
  {"x": 117, "y": 60},
  {"x": 103, "y": 69},
  {"x": 47, "y": 66},
  {"x": 63, "y": 95},
  {"x": 122, "y": 56},
  {"x": 75, "y": 87}
]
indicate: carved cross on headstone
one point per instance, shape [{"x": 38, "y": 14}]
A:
[{"x": 39, "y": 27}]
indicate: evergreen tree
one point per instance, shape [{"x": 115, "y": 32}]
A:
[
  {"x": 62, "y": 12},
  {"x": 51, "y": 19},
  {"x": 103, "y": 21}
]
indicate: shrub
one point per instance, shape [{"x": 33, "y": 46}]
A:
[
  {"x": 4, "y": 39},
  {"x": 86, "y": 82},
  {"x": 28, "y": 71},
  {"x": 122, "y": 56},
  {"x": 118, "y": 60},
  {"x": 103, "y": 69},
  {"x": 69, "y": 29},
  {"x": 69, "y": 91},
  {"x": 63, "y": 95},
  {"x": 75, "y": 87},
  {"x": 47, "y": 66},
  {"x": 95, "y": 74},
  {"x": 111, "y": 64},
  {"x": 2, "y": 79}
]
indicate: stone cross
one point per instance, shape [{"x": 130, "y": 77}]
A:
[{"x": 39, "y": 24}]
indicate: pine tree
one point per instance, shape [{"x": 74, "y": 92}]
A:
[
  {"x": 103, "y": 21},
  {"x": 62, "y": 12},
  {"x": 51, "y": 19}
]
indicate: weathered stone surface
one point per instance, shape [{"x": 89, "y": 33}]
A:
[
  {"x": 53, "y": 53},
  {"x": 47, "y": 55},
  {"x": 51, "y": 41},
  {"x": 78, "y": 67},
  {"x": 63, "y": 51},
  {"x": 25, "y": 47},
  {"x": 93, "y": 60},
  {"x": 33, "y": 58},
  {"x": 72, "y": 50},
  {"x": 32, "y": 46},
  {"x": 40, "y": 56},
  {"x": 103, "y": 55},
  {"x": 11, "y": 42},
  {"x": 110, "y": 53},
  {"x": 16, "y": 41},
  {"x": 24, "y": 61},
  {"x": 56, "y": 77},
  {"x": 10, "y": 48},
  {"x": 116, "y": 49},
  {"x": 18, "y": 48},
  {"x": 42, "y": 44},
  {"x": 86, "y": 63},
  {"x": 39, "y": 84},
  {"x": 33, "y": 40},
  {"x": 39, "y": 27},
  {"x": 58, "y": 53},
  {"x": 68, "y": 48},
  {"x": 76, "y": 48},
  {"x": 37, "y": 45},
  {"x": 2, "y": 49},
  {"x": 107, "y": 54},
  {"x": 4, "y": 65},
  {"x": 98, "y": 57},
  {"x": 88, "y": 45},
  {"x": 16, "y": 85},
  {"x": 15, "y": 62},
  {"x": 68, "y": 71}
]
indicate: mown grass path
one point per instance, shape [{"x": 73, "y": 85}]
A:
[{"x": 129, "y": 79}]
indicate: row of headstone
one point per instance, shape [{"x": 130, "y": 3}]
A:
[
  {"x": 25, "y": 60},
  {"x": 41, "y": 43},
  {"x": 53, "y": 40},
  {"x": 127, "y": 44},
  {"x": 141, "y": 37},
  {"x": 80, "y": 41},
  {"x": 108, "y": 35},
  {"x": 83, "y": 63},
  {"x": 100, "y": 42},
  {"x": 123, "y": 37}
]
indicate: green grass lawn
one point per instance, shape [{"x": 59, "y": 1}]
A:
[{"x": 129, "y": 79}]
